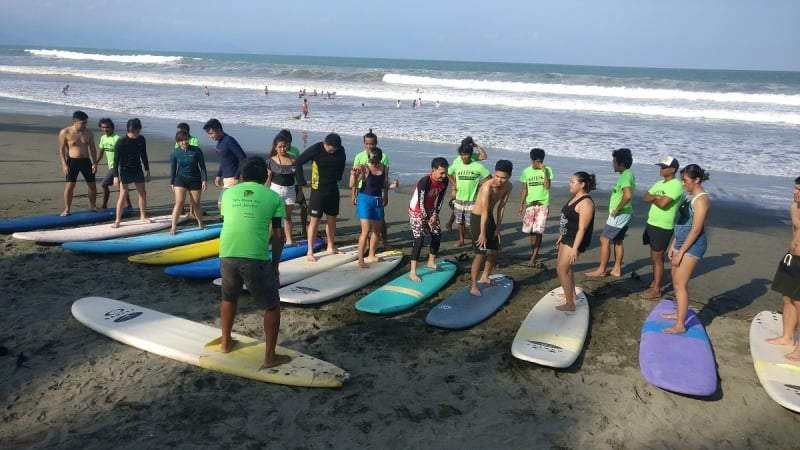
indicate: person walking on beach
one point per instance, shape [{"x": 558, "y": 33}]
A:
[
  {"x": 231, "y": 156},
  {"x": 362, "y": 158},
  {"x": 129, "y": 157},
  {"x": 371, "y": 181},
  {"x": 480, "y": 156},
  {"x": 664, "y": 199},
  {"x": 78, "y": 154},
  {"x": 689, "y": 242},
  {"x": 423, "y": 213},
  {"x": 466, "y": 176},
  {"x": 493, "y": 192},
  {"x": 249, "y": 209},
  {"x": 327, "y": 159},
  {"x": 187, "y": 173},
  {"x": 534, "y": 201},
  {"x": 620, "y": 212},
  {"x": 106, "y": 145},
  {"x": 281, "y": 179},
  {"x": 305, "y": 108},
  {"x": 787, "y": 282},
  {"x": 575, "y": 233}
]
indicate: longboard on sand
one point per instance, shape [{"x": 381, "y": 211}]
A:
[
  {"x": 97, "y": 232},
  {"x": 339, "y": 281},
  {"x": 401, "y": 293},
  {"x": 779, "y": 376},
  {"x": 551, "y": 337},
  {"x": 47, "y": 221},
  {"x": 198, "y": 344},
  {"x": 180, "y": 254},
  {"x": 682, "y": 363},
  {"x": 146, "y": 241},
  {"x": 463, "y": 310}
]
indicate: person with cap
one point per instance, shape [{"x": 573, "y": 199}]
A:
[
  {"x": 327, "y": 167},
  {"x": 664, "y": 198}
]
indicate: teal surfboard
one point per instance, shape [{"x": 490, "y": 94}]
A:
[{"x": 402, "y": 293}]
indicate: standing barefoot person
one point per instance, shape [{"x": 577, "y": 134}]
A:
[
  {"x": 281, "y": 179},
  {"x": 129, "y": 156},
  {"x": 689, "y": 242},
  {"x": 787, "y": 282},
  {"x": 371, "y": 181},
  {"x": 187, "y": 173},
  {"x": 575, "y": 229},
  {"x": 106, "y": 146},
  {"x": 78, "y": 154},
  {"x": 423, "y": 213},
  {"x": 534, "y": 201}
]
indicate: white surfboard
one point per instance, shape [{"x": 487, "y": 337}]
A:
[
  {"x": 198, "y": 344},
  {"x": 551, "y": 337},
  {"x": 297, "y": 269},
  {"x": 339, "y": 281},
  {"x": 779, "y": 376},
  {"x": 98, "y": 232}
]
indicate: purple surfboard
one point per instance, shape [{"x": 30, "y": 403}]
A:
[{"x": 682, "y": 363}]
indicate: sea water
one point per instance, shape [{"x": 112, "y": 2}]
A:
[{"x": 741, "y": 125}]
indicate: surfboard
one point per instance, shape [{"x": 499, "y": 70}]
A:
[
  {"x": 198, "y": 344},
  {"x": 779, "y": 376},
  {"x": 48, "y": 221},
  {"x": 681, "y": 363},
  {"x": 145, "y": 242},
  {"x": 180, "y": 254},
  {"x": 299, "y": 268},
  {"x": 401, "y": 293},
  {"x": 98, "y": 232},
  {"x": 339, "y": 281},
  {"x": 551, "y": 337},
  {"x": 463, "y": 310},
  {"x": 209, "y": 268}
]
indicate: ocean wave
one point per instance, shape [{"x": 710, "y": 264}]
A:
[
  {"x": 140, "y": 59},
  {"x": 590, "y": 90}
]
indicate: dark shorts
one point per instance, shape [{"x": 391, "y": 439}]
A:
[
  {"x": 787, "y": 277},
  {"x": 323, "y": 202},
  {"x": 81, "y": 166},
  {"x": 128, "y": 177},
  {"x": 492, "y": 243},
  {"x": 613, "y": 233},
  {"x": 657, "y": 238},
  {"x": 257, "y": 274},
  {"x": 192, "y": 185},
  {"x": 108, "y": 180}
]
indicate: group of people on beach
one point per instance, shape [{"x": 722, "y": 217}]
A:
[{"x": 258, "y": 196}]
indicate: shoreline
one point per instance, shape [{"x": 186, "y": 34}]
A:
[{"x": 408, "y": 381}]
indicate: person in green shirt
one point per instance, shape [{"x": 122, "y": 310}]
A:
[
  {"x": 250, "y": 209},
  {"x": 534, "y": 202},
  {"x": 664, "y": 198},
  {"x": 620, "y": 211},
  {"x": 107, "y": 143},
  {"x": 480, "y": 156},
  {"x": 466, "y": 176}
]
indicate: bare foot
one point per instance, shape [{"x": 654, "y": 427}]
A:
[
  {"x": 566, "y": 308},
  {"x": 414, "y": 277},
  {"x": 374, "y": 259},
  {"x": 146, "y": 220},
  {"x": 363, "y": 265},
  {"x": 674, "y": 330},
  {"x": 94, "y": 208},
  {"x": 794, "y": 356},
  {"x": 780, "y": 340},
  {"x": 172, "y": 232},
  {"x": 115, "y": 225},
  {"x": 615, "y": 274},
  {"x": 276, "y": 361},
  {"x": 229, "y": 347},
  {"x": 475, "y": 291},
  {"x": 670, "y": 316},
  {"x": 531, "y": 262},
  {"x": 596, "y": 274},
  {"x": 651, "y": 294},
  {"x": 458, "y": 244},
  {"x": 64, "y": 213},
  {"x": 333, "y": 250},
  {"x": 434, "y": 267},
  {"x": 310, "y": 257}
]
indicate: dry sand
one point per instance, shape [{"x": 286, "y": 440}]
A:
[{"x": 411, "y": 385}]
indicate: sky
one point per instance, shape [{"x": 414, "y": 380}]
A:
[{"x": 713, "y": 34}]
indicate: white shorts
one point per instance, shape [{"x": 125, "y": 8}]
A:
[
  {"x": 287, "y": 193},
  {"x": 534, "y": 219}
]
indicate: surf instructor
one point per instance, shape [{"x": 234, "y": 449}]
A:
[{"x": 249, "y": 208}]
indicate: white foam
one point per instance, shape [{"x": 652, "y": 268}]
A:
[{"x": 143, "y": 59}]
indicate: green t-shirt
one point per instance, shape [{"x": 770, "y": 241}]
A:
[
  {"x": 665, "y": 218},
  {"x": 534, "y": 180},
  {"x": 248, "y": 209},
  {"x": 107, "y": 144},
  {"x": 625, "y": 180},
  {"x": 468, "y": 177},
  {"x": 363, "y": 158},
  {"x": 193, "y": 141},
  {"x": 294, "y": 151}
]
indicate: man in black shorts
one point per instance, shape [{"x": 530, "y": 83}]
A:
[
  {"x": 328, "y": 160},
  {"x": 78, "y": 155}
]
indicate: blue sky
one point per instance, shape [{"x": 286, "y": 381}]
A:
[{"x": 725, "y": 34}]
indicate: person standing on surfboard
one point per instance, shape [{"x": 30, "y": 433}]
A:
[
  {"x": 78, "y": 154},
  {"x": 575, "y": 233},
  {"x": 491, "y": 193},
  {"x": 423, "y": 213},
  {"x": 371, "y": 182},
  {"x": 361, "y": 158},
  {"x": 249, "y": 208},
  {"x": 787, "y": 282}
]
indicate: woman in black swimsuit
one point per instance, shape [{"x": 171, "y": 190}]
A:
[{"x": 575, "y": 230}]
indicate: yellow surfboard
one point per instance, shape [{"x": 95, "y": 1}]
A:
[{"x": 179, "y": 255}]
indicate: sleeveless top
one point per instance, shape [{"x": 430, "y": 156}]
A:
[
  {"x": 568, "y": 226},
  {"x": 282, "y": 174},
  {"x": 686, "y": 211},
  {"x": 373, "y": 185}
]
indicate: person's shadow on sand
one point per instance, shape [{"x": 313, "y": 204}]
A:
[{"x": 732, "y": 300}]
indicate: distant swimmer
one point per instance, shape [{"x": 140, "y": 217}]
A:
[
  {"x": 206, "y": 91},
  {"x": 266, "y": 90},
  {"x": 305, "y": 108},
  {"x": 398, "y": 103},
  {"x": 437, "y": 103},
  {"x": 65, "y": 90}
]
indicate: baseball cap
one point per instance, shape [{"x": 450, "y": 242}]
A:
[{"x": 669, "y": 161}]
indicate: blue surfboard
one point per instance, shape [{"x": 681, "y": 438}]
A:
[
  {"x": 145, "y": 242},
  {"x": 402, "y": 293},
  {"x": 209, "y": 268},
  {"x": 48, "y": 221},
  {"x": 463, "y": 310}
]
